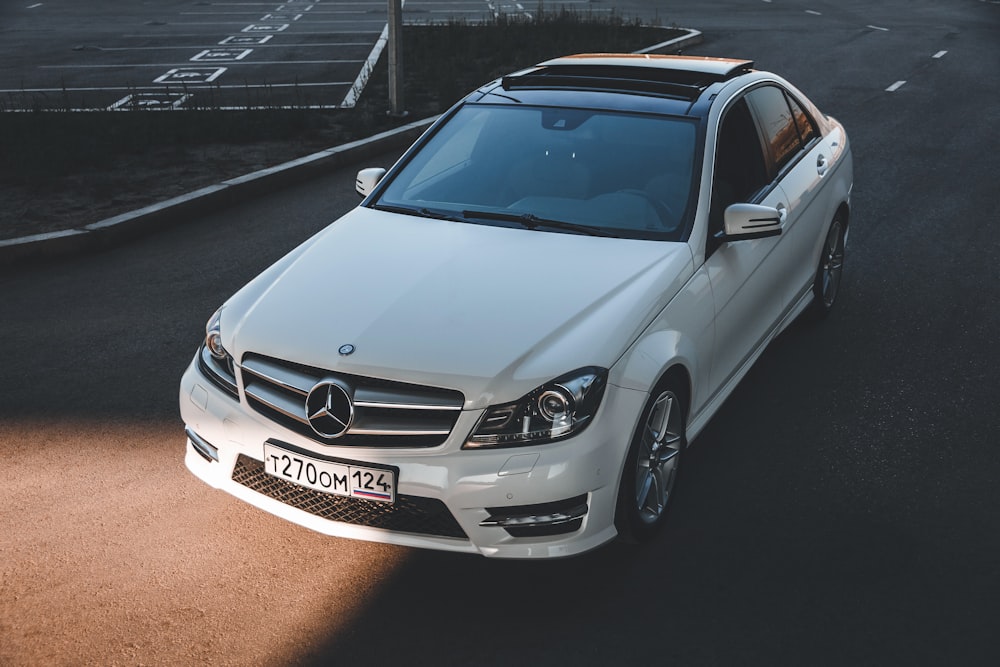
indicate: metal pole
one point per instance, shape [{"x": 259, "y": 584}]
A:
[{"x": 396, "y": 107}]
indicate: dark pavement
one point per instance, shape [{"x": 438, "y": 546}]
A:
[{"x": 840, "y": 509}]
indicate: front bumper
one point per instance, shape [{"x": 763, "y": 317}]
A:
[{"x": 545, "y": 501}]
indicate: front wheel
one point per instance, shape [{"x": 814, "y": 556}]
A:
[
  {"x": 826, "y": 285},
  {"x": 651, "y": 466}
]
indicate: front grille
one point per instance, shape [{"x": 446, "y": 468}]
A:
[
  {"x": 409, "y": 514},
  {"x": 386, "y": 414}
]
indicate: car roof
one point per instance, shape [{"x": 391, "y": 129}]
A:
[
  {"x": 719, "y": 68},
  {"x": 667, "y": 84}
]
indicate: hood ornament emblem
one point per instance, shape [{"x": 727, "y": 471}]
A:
[{"x": 346, "y": 350}]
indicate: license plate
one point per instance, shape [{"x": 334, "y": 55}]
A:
[{"x": 341, "y": 479}]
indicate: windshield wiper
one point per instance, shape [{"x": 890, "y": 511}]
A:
[
  {"x": 532, "y": 221},
  {"x": 421, "y": 212}
]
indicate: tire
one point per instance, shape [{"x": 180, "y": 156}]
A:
[
  {"x": 650, "y": 472},
  {"x": 826, "y": 285}
]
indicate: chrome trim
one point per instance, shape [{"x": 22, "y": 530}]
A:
[
  {"x": 380, "y": 397},
  {"x": 212, "y": 366},
  {"x": 375, "y": 431},
  {"x": 299, "y": 383},
  {"x": 276, "y": 401},
  {"x": 208, "y": 451},
  {"x": 406, "y": 406},
  {"x": 552, "y": 519}
]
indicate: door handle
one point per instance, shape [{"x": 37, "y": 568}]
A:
[{"x": 821, "y": 165}]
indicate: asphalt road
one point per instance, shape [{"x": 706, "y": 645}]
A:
[
  {"x": 163, "y": 54},
  {"x": 840, "y": 509}
]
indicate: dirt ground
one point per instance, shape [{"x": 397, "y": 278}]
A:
[{"x": 144, "y": 564}]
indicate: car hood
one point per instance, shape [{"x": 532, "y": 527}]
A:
[{"x": 490, "y": 311}]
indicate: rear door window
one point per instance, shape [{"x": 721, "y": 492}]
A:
[
  {"x": 805, "y": 125},
  {"x": 777, "y": 124}
]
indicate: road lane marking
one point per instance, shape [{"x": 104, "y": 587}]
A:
[
  {"x": 37, "y": 4},
  {"x": 939, "y": 54},
  {"x": 894, "y": 87},
  {"x": 875, "y": 27},
  {"x": 813, "y": 12}
]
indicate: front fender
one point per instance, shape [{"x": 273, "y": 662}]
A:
[{"x": 681, "y": 336}]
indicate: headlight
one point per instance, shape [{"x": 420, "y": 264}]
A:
[
  {"x": 213, "y": 336},
  {"x": 554, "y": 411},
  {"x": 213, "y": 360}
]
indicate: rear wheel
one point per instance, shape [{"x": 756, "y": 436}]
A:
[
  {"x": 826, "y": 286},
  {"x": 650, "y": 473}
]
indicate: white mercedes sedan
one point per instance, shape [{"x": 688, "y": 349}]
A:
[{"x": 506, "y": 348}]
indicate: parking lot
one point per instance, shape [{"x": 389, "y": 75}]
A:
[{"x": 93, "y": 55}]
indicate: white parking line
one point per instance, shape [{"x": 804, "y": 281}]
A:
[
  {"x": 232, "y": 23},
  {"x": 37, "y": 4},
  {"x": 154, "y": 101},
  {"x": 256, "y": 40},
  {"x": 361, "y": 81},
  {"x": 190, "y": 75},
  {"x": 225, "y": 42},
  {"x": 875, "y": 27},
  {"x": 233, "y": 64},
  {"x": 939, "y": 54},
  {"x": 221, "y": 54},
  {"x": 265, "y": 28},
  {"x": 234, "y": 86},
  {"x": 326, "y": 33},
  {"x": 814, "y": 12},
  {"x": 894, "y": 87}
]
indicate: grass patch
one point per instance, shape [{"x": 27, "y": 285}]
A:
[
  {"x": 441, "y": 64},
  {"x": 60, "y": 169}
]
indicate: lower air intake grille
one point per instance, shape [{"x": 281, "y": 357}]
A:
[{"x": 409, "y": 514}]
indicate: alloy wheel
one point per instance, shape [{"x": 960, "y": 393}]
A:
[
  {"x": 659, "y": 455},
  {"x": 832, "y": 264}
]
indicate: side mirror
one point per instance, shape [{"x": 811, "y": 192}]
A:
[
  {"x": 750, "y": 221},
  {"x": 368, "y": 179}
]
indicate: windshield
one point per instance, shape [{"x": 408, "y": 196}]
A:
[{"x": 570, "y": 170}]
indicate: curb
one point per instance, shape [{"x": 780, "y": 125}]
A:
[
  {"x": 133, "y": 224},
  {"x": 205, "y": 200}
]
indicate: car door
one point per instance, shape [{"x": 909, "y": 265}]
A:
[
  {"x": 797, "y": 162},
  {"x": 744, "y": 284}
]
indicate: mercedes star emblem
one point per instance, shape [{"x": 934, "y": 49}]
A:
[{"x": 329, "y": 409}]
